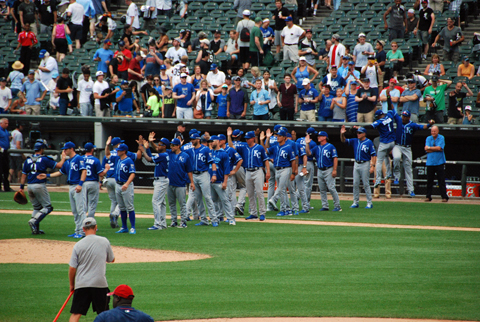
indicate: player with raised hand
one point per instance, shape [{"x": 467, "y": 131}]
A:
[{"x": 91, "y": 187}]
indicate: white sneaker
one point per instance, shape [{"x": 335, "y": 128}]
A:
[{"x": 232, "y": 222}]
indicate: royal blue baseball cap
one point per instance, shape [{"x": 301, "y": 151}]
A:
[
  {"x": 378, "y": 113},
  {"x": 361, "y": 130},
  {"x": 222, "y": 137},
  {"x": 249, "y": 135},
  {"x": 192, "y": 131},
  {"x": 165, "y": 141},
  {"x": 42, "y": 53},
  {"x": 163, "y": 67},
  {"x": 124, "y": 82},
  {"x": 175, "y": 142},
  {"x": 213, "y": 66},
  {"x": 213, "y": 138},
  {"x": 406, "y": 113},
  {"x": 289, "y": 135},
  {"x": 122, "y": 147},
  {"x": 68, "y": 145},
  {"x": 282, "y": 133},
  {"x": 194, "y": 136},
  {"x": 117, "y": 140},
  {"x": 288, "y": 19},
  {"x": 277, "y": 127},
  {"x": 323, "y": 133},
  {"x": 236, "y": 133},
  {"x": 38, "y": 146},
  {"x": 89, "y": 146},
  {"x": 121, "y": 43},
  {"x": 311, "y": 131},
  {"x": 283, "y": 128}
]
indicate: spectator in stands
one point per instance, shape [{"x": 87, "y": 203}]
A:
[
  {"x": 371, "y": 71},
  {"x": 136, "y": 98},
  {"x": 352, "y": 105},
  {"x": 435, "y": 68},
  {"x": 308, "y": 48},
  {"x": 244, "y": 81},
  {"x": 197, "y": 77},
  {"x": 279, "y": 15},
  {"x": 205, "y": 56},
  {"x": 288, "y": 104},
  {"x": 64, "y": 88},
  {"x": 323, "y": 53},
  {"x": 85, "y": 90},
  {"x": 168, "y": 104},
  {"x": 185, "y": 41},
  {"x": 410, "y": 98},
  {"x": 34, "y": 92},
  {"x": 88, "y": 20},
  {"x": 466, "y": 68},
  {"x": 18, "y": 105},
  {"x": 217, "y": 43},
  {"x": 28, "y": 13},
  {"x": 411, "y": 24},
  {"x": 256, "y": 44},
  {"x": 215, "y": 78},
  {"x": 343, "y": 69},
  {"x": 436, "y": 5},
  {"x": 98, "y": 88},
  {"x": 76, "y": 12},
  {"x": 271, "y": 87},
  {"x": 325, "y": 114},
  {"x": 5, "y": 96},
  {"x": 303, "y": 71},
  {"x": 144, "y": 94},
  {"x": 351, "y": 73},
  {"x": 16, "y": 159},
  {"x": 176, "y": 52},
  {"x": 455, "y": 103},
  {"x": 124, "y": 98},
  {"x": 222, "y": 102},
  {"x": 268, "y": 35},
  {"x": 291, "y": 36},
  {"x": 454, "y": 7},
  {"x": 237, "y": 100},
  {"x": 16, "y": 24},
  {"x": 255, "y": 71},
  {"x": 244, "y": 29},
  {"x": 59, "y": 39},
  {"x": 336, "y": 52},
  {"x": 175, "y": 78},
  {"x": 26, "y": 40},
  {"x": 420, "y": 81},
  {"x": 103, "y": 56},
  {"x": 366, "y": 100},
  {"x": 16, "y": 78},
  {"x": 4, "y": 11},
  {"x": 164, "y": 8},
  {"x": 339, "y": 104},
  {"x": 126, "y": 56},
  {"x": 468, "y": 117},
  {"x": 204, "y": 99},
  {"x": 434, "y": 96},
  {"x": 153, "y": 61},
  {"x": 101, "y": 8},
  {"x": 107, "y": 24},
  {"x": 397, "y": 22},
  {"x": 134, "y": 69},
  {"x": 196, "y": 41},
  {"x": 395, "y": 57},
  {"x": 47, "y": 12},
  {"x": 154, "y": 103},
  {"x": 424, "y": 27},
  {"x": 390, "y": 97},
  {"x": 184, "y": 93},
  {"x": 452, "y": 37},
  {"x": 48, "y": 67},
  {"x": 242, "y": 5},
  {"x": 231, "y": 47},
  {"x": 361, "y": 52},
  {"x": 150, "y": 15},
  {"x": 132, "y": 14},
  {"x": 308, "y": 97},
  {"x": 333, "y": 79},
  {"x": 259, "y": 100},
  {"x": 381, "y": 58}
]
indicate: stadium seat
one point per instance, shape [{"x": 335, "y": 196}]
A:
[
  {"x": 337, "y": 14},
  {"x": 271, "y": 7},
  {"x": 257, "y": 7},
  {"x": 344, "y": 21},
  {"x": 334, "y": 28},
  {"x": 210, "y": 6},
  {"x": 225, "y": 6},
  {"x": 351, "y": 28},
  {"x": 223, "y": 20},
  {"x": 345, "y": 7},
  {"x": 182, "y": 25},
  {"x": 462, "y": 79},
  {"x": 362, "y": 7},
  {"x": 232, "y": 14},
  {"x": 265, "y": 14},
  {"x": 378, "y": 7},
  {"x": 192, "y": 20},
  {"x": 327, "y": 21},
  {"x": 207, "y": 20},
  {"x": 202, "y": 13},
  {"x": 194, "y": 6}
]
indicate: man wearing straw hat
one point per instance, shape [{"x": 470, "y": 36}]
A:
[{"x": 16, "y": 78}]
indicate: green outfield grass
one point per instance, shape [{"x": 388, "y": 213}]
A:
[
  {"x": 401, "y": 213},
  {"x": 272, "y": 270}
]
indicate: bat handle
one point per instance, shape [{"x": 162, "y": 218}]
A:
[{"x": 63, "y": 306}]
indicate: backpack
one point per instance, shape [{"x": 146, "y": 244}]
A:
[{"x": 245, "y": 34}]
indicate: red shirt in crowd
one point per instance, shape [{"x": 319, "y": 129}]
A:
[
  {"x": 27, "y": 38},
  {"x": 135, "y": 66},
  {"x": 124, "y": 65}
]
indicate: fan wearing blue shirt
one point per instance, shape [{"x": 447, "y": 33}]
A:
[
  {"x": 37, "y": 190},
  {"x": 308, "y": 97},
  {"x": 124, "y": 98},
  {"x": 325, "y": 114},
  {"x": 184, "y": 94},
  {"x": 435, "y": 147},
  {"x": 103, "y": 56},
  {"x": 260, "y": 99},
  {"x": 365, "y": 158},
  {"x": 255, "y": 159},
  {"x": 91, "y": 187},
  {"x": 327, "y": 162},
  {"x": 403, "y": 147}
]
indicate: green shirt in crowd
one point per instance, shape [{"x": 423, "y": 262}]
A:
[
  {"x": 437, "y": 93},
  {"x": 256, "y": 32}
]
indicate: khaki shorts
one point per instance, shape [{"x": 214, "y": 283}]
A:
[
  {"x": 454, "y": 120},
  {"x": 308, "y": 115},
  {"x": 366, "y": 117}
]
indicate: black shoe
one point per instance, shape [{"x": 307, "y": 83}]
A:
[{"x": 174, "y": 224}]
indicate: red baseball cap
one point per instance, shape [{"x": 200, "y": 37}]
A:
[
  {"x": 393, "y": 80},
  {"x": 123, "y": 291}
]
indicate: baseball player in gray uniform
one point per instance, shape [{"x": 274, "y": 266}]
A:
[
  {"x": 310, "y": 171},
  {"x": 271, "y": 181},
  {"x": 239, "y": 205},
  {"x": 91, "y": 187}
]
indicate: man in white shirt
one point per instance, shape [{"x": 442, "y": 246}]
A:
[
  {"x": 132, "y": 14},
  {"x": 291, "y": 35},
  {"x": 390, "y": 95},
  {"x": 150, "y": 15},
  {"x": 99, "y": 86},
  {"x": 48, "y": 66},
  {"x": 76, "y": 12},
  {"x": 361, "y": 52},
  {"x": 164, "y": 7},
  {"x": 231, "y": 47},
  {"x": 5, "y": 96},
  {"x": 337, "y": 51},
  {"x": 16, "y": 159},
  {"x": 176, "y": 52},
  {"x": 215, "y": 78},
  {"x": 85, "y": 89}
]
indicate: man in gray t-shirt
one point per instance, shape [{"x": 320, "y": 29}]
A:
[
  {"x": 452, "y": 38},
  {"x": 361, "y": 52},
  {"x": 397, "y": 22},
  {"x": 88, "y": 265}
]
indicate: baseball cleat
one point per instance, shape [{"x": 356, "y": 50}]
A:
[
  {"x": 232, "y": 222},
  {"x": 41, "y": 232},
  {"x": 262, "y": 217},
  {"x": 33, "y": 227},
  {"x": 354, "y": 205},
  {"x": 113, "y": 221},
  {"x": 295, "y": 213},
  {"x": 72, "y": 235},
  {"x": 324, "y": 209},
  {"x": 238, "y": 211},
  {"x": 388, "y": 177},
  {"x": 288, "y": 213},
  {"x": 272, "y": 205},
  {"x": 251, "y": 217},
  {"x": 311, "y": 208},
  {"x": 188, "y": 218},
  {"x": 376, "y": 185},
  {"x": 78, "y": 236},
  {"x": 214, "y": 224},
  {"x": 183, "y": 225},
  {"x": 337, "y": 209},
  {"x": 281, "y": 214},
  {"x": 369, "y": 206},
  {"x": 173, "y": 224},
  {"x": 412, "y": 194},
  {"x": 220, "y": 219},
  {"x": 133, "y": 231},
  {"x": 303, "y": 211},
  {"x": 201, "y": 224},
  {"x": 122, "y": 230},
  {"x": 154, "y": 228}
]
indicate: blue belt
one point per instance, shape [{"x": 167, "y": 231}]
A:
[
  {"x": 280, "y": 168},
  {"x": 120, "y": 183},
  {"x": 360, "y": 162},
  {"x": 323, "y": 169},
  {"x": 198, "y": 172}
]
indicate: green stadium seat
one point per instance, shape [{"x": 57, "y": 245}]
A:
[
  {"x": 176, "y": 20},
  {"x": 257, "y": 7},
  {"x": 359, "y": 21},
  {"x": 327, "y": 21},
  {"x": 378, "y": 7},
  {"x": 362, "y": 7},
  {"x": 182, "y": 25},
  {"x": 207, "y": 20},
  {"x": 351, "y": 28},
  {"x": 264, "y": 14},
  {"x": 192, "y": 20},
  {"x": 462, "y": 79},
  {"x": 223, "y": 20},
  {"x": 344, "y": 21},
  {"x": 225, "y": 6},
  {"x": 232, "y": 14},
  {"x": 271, "y": 7},
  {"x": 337, "y": 14},
  {"x": 210, "y": 6},
  {"x": 194, "y": 6},
  {"x": 334, "y": 28},
  {"x": 345, "y": 7},
  {"x": 216, "y": 13}
]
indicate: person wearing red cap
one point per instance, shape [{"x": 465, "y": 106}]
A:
[
  {"x": 390, "y": 96},
  {"x": 122, "y": 308}
]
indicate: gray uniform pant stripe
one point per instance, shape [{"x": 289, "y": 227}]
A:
[
  {"x": 91, "y": 190},
  {"x": 300, "y": 182},
  {"x": 361, "y": 171},
  {"x": 159, "y": 204},
  {"x": 125, "y": 198},
  {"x": 382, "y": 153},
  {"x": 326, "y": 181},
  {"x": 232, "y": 189},
  {"x": 40, "y": 199},
  {"x": 254, "y": 182},
  {"x": 283, "y": 180},
  {"x": 309, "y": 180},
  {"x": 399, "y": 153},
  {"x": 202, "y": 188},
  {"x": 177, "y": 194},
  {"x": 77, "y": 203},
  {"x": 191, "y": 204},
  {"x": 221, "y": 200},
  {"x": 293, "y": 195},
  {"x": 271, "y": 182},
  {"x": 111, "y": 184},
  {"x": 240, "y": 178}
]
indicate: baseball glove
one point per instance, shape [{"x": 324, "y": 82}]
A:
[{"x": 20, "y": 198}]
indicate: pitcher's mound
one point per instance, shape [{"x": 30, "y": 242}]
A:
[
  {"x": 42, "y": 251},
  {"x": 324, "y": 319}
]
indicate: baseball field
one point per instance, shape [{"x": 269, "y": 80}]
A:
[{"x": 422, "y": 263}]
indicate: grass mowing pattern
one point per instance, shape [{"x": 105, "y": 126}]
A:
[{"x": 267, "y": 270}]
